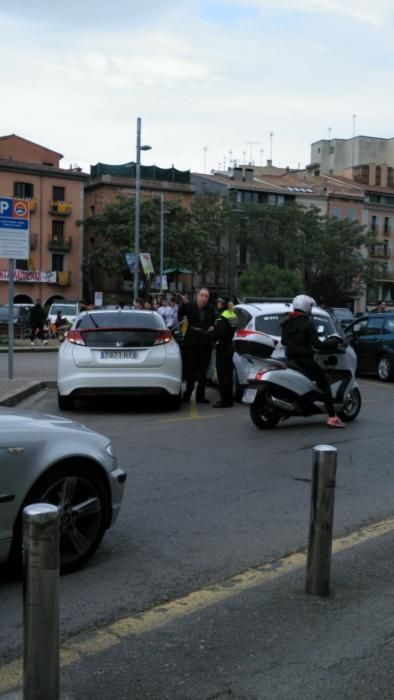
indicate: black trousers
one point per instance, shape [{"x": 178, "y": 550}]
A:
[
  {"x": 312, "y": 370},
  {"x": 197, "y": 359},
  {"x": 37, "y": 332},
  {"x": 224, "y": 369}
]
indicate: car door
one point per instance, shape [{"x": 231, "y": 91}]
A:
[{"x": 369, "y": 344}]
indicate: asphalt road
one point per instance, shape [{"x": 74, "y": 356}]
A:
[{"x": 208, "y": 498}]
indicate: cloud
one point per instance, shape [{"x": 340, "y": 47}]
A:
[{"x": 375, "y": 13}]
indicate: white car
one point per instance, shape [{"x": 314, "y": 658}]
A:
[
  {"x": 69, "y": 309},
  {"x": 119, "y": 352},
  {"x": 259, "y": 333}
]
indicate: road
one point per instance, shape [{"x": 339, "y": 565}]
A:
[{"x": 209, "y": 498}]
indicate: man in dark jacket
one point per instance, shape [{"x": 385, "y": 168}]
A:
[
  {"x": 37, "y": 322},
  {"x": 197, "y": 343},
  {"x": 300, "y": 338},
  {"x": 225, "y": 325}
]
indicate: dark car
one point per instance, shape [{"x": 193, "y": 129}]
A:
[
  {"x": 342, "y": 317},
  {"x": 372, "y": 337},
  {"x": 21, "y": 315}
]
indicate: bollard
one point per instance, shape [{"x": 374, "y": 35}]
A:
[
  {"x": 41, "y": 602},
  {"x": 321, "y": 520}
]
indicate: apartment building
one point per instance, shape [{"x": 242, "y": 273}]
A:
[{"x": 56, "y": 203}]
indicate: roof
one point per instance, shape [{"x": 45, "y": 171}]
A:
[
  {"x": 148, "y": 172},
  {"x": 40, "y": 169},
  {"x": 20, "y": 138}
]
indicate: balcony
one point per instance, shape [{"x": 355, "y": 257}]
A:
[
  {"x": 33, "y": 240},
  {"x": 59, "y": 208},
  {"x": 33, "y": 203},
  {"x": 63, "y": 279},
  {"x": 60, "y": 245},
  {"x": 380, "y": 251}
]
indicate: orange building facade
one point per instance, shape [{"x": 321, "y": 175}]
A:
[{"x": 56, "y": 203}]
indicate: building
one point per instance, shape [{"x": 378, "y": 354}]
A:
[
  {"x": 56, "y": 196},
  {"x": 341, "y": 156},
  {"x": 106, "y": 184}
]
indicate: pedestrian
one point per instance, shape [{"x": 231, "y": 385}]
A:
[
  {"x": 174, "y": 312},
  {"x": 380, "y": 307},
  {"x": 38, "y": 319},
  {"x": 139, "y": 303},
  {"x": 197, "y": 343},
  {"x": 300, "y": 338},
  {"x": 225, "y": 325},
  {"x": 165, "y": 312}
]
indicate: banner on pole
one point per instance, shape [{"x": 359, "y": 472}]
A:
[{"x": 146, "y": 263}]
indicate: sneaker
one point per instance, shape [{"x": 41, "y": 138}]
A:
[
  {"x": 32, "y": 342},
  {"x": 45, "y": 342},
  {"x": 335, "y": 422}
]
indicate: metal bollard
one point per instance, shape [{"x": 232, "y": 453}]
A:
[
  {"x": 321, "y": 520},
  {"x": 41, "y": 602}
]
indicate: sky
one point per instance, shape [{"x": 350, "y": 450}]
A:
[{"x": 213, "y": 81}]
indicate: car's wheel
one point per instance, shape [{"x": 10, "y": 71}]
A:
[
  {"x": 385, "y": 369},
  {"x": 82, "y": 499},
  {"x": 65, "y": 403},
  {"x": 263, "y": 418},
  {"x": 351, "y": 407}
]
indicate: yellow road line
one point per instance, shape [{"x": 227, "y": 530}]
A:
[{"x": 87, "y": 644}]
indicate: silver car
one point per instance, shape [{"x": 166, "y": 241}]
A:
[{"x": 55, "y": 460}]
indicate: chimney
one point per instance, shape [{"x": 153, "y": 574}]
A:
[
  {"x": 236, "y": 174},
  {"x": 249, "y": 175}
]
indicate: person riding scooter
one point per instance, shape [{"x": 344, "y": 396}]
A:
[{"x": 300, "y": 339}]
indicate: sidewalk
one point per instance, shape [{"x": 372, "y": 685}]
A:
[{"x": 12, "y": 391}]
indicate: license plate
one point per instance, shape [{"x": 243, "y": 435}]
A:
[
  {"x": 249, "y": 395},
  {"x": 119, "y": 354}
]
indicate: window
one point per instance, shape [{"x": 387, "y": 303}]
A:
[
  {"x": 335, "y": 213},
  {"x": 351, "y": 214},
  {"x": 58, "y": 194},
  {"x": 57, "y": 262},
  {"x": 378, "y": 175},
  {"x": 374, "y": 223},
  {"x": 374, "y": 326},
  {"x": 385, "y": 248},
  {"x": 57, "y": 230},
  {"x": 386, "y": 226},
  {"x": 24, "y": 190},
  {"x": 390, "y": 177},
  {"x": 361, "y": 174},
  {"x": 21, "y": 264}
]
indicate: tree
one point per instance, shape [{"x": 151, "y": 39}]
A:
[{"x": 269, "y": 280}]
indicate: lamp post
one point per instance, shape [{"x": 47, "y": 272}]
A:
[
  {"x": 161, "y": 240},
  {"x": 139, "y": 148}
]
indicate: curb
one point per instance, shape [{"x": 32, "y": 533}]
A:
[
  {"x": 23, "y": 348},
  {"x": 14, "y": 399}
]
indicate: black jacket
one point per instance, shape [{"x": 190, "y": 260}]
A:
[
  {"x": 299, "y": 336},
  {"x": 196, "y": 334},
  {"x": 37, "y": 316}
]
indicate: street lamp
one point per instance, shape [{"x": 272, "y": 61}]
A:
[{"x": 139, "y": 148}]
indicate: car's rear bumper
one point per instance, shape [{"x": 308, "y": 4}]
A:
[{"x": 125, "y": 382}]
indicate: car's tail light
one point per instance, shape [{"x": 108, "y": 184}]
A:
[
  {"x": 163, "y": 337},
  {"x": 75, "y": 337}
]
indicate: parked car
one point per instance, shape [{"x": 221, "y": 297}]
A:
[
  {"x": 372, "y": 337},
  {"x": 21, "y": 316},
  {"x": 69, "y": 309},
  {"x": 119, "y": 352},
  {"x": 55, "y": 460},
  {"x": 342, "y": 317},
  {"x": 259, "y": 334}
]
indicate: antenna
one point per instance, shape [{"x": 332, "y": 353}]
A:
[
  {"x": 251, "y": 144},
  {"x": 261, "y": 155},
  {"x": 354, "y": 134},
  {"x": 271, "y": 137},
  {"x": 205, "y": 148},
  {"x": 329, "y": 133},
  {"x": 230, "y": 158}
]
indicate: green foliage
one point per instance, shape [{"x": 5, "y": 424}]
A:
[{"x": 269, "y": 280}]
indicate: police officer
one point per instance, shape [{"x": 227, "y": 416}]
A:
[
  {"x": 197, "y": 343},
  {"x": 225, "y": 325}
]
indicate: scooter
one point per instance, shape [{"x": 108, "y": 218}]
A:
[{"x": 278, "y": 389}]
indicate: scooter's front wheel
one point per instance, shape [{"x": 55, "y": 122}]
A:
[
  {"x": 351, "y": 407},
  {"x": 262, "y": 417}
]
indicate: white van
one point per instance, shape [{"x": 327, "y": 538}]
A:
[{"x": 69, "y": 309}]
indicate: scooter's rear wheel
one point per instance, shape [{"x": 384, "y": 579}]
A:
[
  {"x": 262, "y": 417},
  {"x": 351, "y": 407}
]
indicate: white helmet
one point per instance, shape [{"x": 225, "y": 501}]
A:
[{"x": 303, "y": 303}]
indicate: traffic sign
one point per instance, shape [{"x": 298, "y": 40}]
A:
[{"x": 14, "y": 228}]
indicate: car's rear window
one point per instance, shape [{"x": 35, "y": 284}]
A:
[
  {"x": 66, "y": 309},
  {"x": 269, "y": 323},
  {"x": 121, "y": 319}
]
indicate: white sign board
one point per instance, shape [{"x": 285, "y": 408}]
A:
[{"x": 14, "y": 228}]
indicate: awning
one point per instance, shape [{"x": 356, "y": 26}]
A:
[{"x": 178, "y": 269}]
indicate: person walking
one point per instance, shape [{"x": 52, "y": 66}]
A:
[
  {"x": 225, "y": 325},
  {"x": 37, "y": 323},
  {"x": 381, "y": 307},
  {"x": 197, "y": 343},
  {"x": 300, "y": 339}
]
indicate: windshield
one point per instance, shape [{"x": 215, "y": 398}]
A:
[{"x": 66, "y": 309}]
